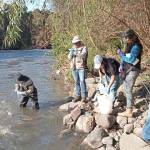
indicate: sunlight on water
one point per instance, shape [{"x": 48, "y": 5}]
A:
[{"x": 26, "y": 129}]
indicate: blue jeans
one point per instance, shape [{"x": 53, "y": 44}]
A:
[
  {"x": 113, "y": 89},
  {"x": 128, "y": 86},
  {"x": 146, "y": 129},
  {"x": 80, "y": 85}
]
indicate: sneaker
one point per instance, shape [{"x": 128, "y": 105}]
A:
[
  {"x": 83, "y": 99},
  {"x": 127, "y": 113}
]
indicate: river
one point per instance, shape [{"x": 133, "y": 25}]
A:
[{"x": 27, "y": 129}]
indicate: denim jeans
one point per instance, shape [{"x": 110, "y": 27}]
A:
[
  {"x": 113, "y": 89},
  {"x": 80, "y": 85},
  {"x": 128, "y": 86},
  {"x": 146, "y": 129}
]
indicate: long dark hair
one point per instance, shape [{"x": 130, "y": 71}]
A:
[{"x": 131, "y": 34}]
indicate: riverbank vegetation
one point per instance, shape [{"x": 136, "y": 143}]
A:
[
  {"x": 99, "y": 23},
  {"x": 20, "y": 29}
]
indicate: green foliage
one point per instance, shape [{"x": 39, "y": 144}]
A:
[
  {"x": 13, "y": 31},
  {"x": 77, "y": 18}
]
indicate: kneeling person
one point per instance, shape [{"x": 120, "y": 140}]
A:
[{"x": 27, "y": 90}]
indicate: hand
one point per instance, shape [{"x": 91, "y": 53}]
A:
[
  {"x": 21, "y": 93},
  {"x": 16, "y": 87},
  {"x": 28, "y": 92},
  {"x": 120, "y": 53},
  {"x": 72, "y": 52},
  {"x": 108, "y": 90},
  {"x": 121, "y": 68}
]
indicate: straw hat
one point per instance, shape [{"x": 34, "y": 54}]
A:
[{"x": 75, "y": 39}]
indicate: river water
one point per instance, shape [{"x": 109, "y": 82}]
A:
[{"x": 27, "y": 129}]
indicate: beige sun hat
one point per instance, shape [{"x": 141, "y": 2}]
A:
[{"x": 76, "y": 39}]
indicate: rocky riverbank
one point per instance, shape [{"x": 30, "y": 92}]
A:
[{"x": 108, "y": 132}]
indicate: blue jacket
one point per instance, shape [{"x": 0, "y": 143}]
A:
[{"x": 134, "y": 53}]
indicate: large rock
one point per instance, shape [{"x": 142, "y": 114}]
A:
[
  {"x": 90, "y": 81},
  {"x": 67, "y": 120},
  {"x": 107, "y": 140},
  {"x": 105, "y": 121},
  {"x": 114, "y": 135},
  {"x": 68, "y": 106},
  {"x": 91, "y": 88},
  {"x": 101, "y": 148},
  {"x": 132, "y": 142},
  {"x": 138, "y": 132},
  {"x": 75, "y": 113},
  {"x": 122, "y": 121},
  {"x": 128, "y": 128},
  {"x": 94, "y": 139},
  {"x": 110, "y": 147},
  {"x": 131, "y": 120},
  {"x": 85, "y": 123}
]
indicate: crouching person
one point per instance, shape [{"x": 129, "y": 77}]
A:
[
  {"x": 109, "y": 75},
  {"x": 24, "y": 86}
]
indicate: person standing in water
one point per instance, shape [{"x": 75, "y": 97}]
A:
[{"x": 25, "y": 87}]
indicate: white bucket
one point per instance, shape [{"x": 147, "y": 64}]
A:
[{"x": 104, "y": 104}]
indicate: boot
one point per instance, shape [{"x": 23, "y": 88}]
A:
[
  {"x": 83, "y": 99},
  {"x": 36, "y": 106},
  {"x": 127, "y": 113}
]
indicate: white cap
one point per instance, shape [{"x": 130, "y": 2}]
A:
[
  {"x": 75, "y": 39},
  {"x": 97, "y": 61}
]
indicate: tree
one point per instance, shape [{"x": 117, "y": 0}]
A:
[{"x": 13, "y": 31}]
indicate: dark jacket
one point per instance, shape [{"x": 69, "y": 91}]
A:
[
  {"x": 25, "y": 84},
  {"x": 111, "y": 66}
]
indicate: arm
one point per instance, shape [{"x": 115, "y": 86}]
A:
[
  {"x": 70, "y": 55},
  {"x": 111, "y": 81},
  {"x": 134, "y": 53},
  {"x": 84, "y": 52},
  {"x": 100, "y": 76},
  {"x": 30, "y": 89}
]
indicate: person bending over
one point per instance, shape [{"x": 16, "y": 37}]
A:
[{"x": 26, "y": 89}]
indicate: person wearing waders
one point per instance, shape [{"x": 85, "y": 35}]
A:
[{"x": 26, "y": 89}]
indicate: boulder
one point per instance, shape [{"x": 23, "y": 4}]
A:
[
  {"x": 142, "y": 122},
  {"x": 68, "y": 106},
  {"x": 131, "y": 120},
  {"x": 90, "y": 81},
  {"x": 67, "y": 120},
  {"x": 75, "y": 113},
  {"x": 128, "y": 128},
  {"x": 122, "y": 121},
  {"x": 132, "y": 142},
  {"x": 107, "y": 140},
  {"x": 138, "y": 132},
  {"x": 114, "y": 135},
  {"x": 101, "y": 148},
  {"x": 110, "y": 147},
  {"x": 105, "y": 121},
  {"x": 94, "y": 139},
  {"x": 85, "y": 123},
  {"x": 91, "y": 88}
]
